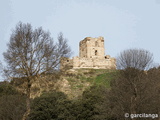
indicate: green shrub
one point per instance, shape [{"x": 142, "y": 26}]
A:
[{"x": 50, "y": 106}]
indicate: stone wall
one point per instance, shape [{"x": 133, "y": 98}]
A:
[
  {"x": 91, "y": 55},
  {"x": 91, "y": 47}
]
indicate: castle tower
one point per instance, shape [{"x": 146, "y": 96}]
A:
[
  {"x": 91, "y": 55},
  {"x": 92, "y": 48}
]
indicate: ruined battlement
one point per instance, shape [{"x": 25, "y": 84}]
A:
[{"x": 91, "y": 55}]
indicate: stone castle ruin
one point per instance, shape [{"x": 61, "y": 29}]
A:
[{"x": 91, "y": 55}]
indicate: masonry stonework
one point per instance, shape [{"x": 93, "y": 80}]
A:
[{"x": 91, "y": 55}]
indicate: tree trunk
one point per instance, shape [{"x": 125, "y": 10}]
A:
[{"x": 27, "y": 100}]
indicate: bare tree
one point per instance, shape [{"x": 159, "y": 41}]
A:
[
  {"x": 135, "y": 91},
  {"x": 33, "y": 52},
  {"x": 135, "y": 58}
]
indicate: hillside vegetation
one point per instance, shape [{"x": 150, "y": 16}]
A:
[
  {"x": 72, "y": 82},
  {"x": 92, "y": 94}
]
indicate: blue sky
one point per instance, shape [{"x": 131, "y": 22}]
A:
[{"x": 123, "y": 23}]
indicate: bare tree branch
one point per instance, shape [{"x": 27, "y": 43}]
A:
[
  {"x": 33, "y": 52},
  {"x": 135, "y": 58}
]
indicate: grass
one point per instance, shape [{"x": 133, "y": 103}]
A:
[
  {"x": 99, "y": 76},
  {"x": 105, "y": 78},
  {"x": 93, "y": 76}
]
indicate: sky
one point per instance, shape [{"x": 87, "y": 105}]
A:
[{"x": 124, "y": 24}]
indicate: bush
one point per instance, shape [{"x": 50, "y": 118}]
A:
[
  {"x": 7, "y": 89},
  {"x": 92, "y": 106},
  {"x": 50, "y": 106},
  {"x": 95, "y": 103},
  {"x": 56, "y": 106},
  {"x": 12, "y": 107},
  {"x": 12, "y": 103}
]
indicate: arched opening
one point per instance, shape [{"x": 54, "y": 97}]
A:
[{"x": 96, "y": 52}]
